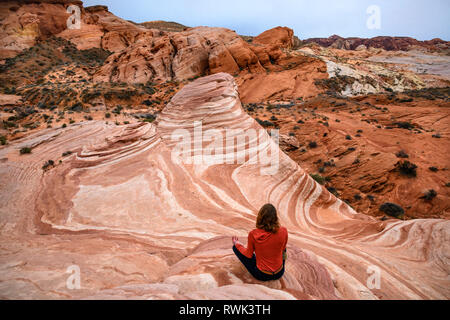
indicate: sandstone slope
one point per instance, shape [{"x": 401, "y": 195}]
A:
[{"x": 140, "y": 225}]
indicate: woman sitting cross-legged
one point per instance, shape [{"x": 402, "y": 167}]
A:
[{"x": 265, "y": 254}]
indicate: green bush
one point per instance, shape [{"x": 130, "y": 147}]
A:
[
  {"x": 25, "y": 150},
  {"x": 48, "y": 164},
  {"x": 312, "y": 144},
  {"x": 319, "y": 178},
  {"x": 407, "y": 168},
  {"x": 392, "y": 209}
]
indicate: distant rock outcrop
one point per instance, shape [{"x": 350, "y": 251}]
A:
[
  {"x": 280, "y": 36},
  {"x": 179, "y": 56},
  {"x": 386, "y": 43}
]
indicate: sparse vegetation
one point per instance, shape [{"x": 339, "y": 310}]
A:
[
  {"x": 333, "y": 191},
  {"x": 48, "y": 164},
  {"x": 407, "y": 168},
  {"x": 117, "y": 109},
  {"x": 392, "y": 209},
  {"x": 320, "y": 179},
  {"x": 265, "y": 123},
  {"x": 404, "y": 125},
  {"x": 429, "y": 195},
  {"x": 44, "y": 57},
  {"x": 402, "y": 154},
  {"x": 25, "y": 150},
  {"x": 312, "y": 144}
]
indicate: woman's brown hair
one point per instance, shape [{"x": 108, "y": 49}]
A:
[{"x": 267, "y": 219}]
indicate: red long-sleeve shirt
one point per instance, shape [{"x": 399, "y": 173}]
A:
[{"x": 268, "y": 248}]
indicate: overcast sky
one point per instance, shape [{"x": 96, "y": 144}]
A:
[{"x": 420, "y": 19}]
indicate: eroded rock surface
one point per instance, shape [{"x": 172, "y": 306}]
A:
[{"x": 140, "y": 225}]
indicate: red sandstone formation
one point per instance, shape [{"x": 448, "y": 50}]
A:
[
  {"x": 179, "y": 56},
  {"x": 24, "y": 24},
  {"x": 280, "y": 36},
  {"x": 139, "y": 225},
  {"x": 386, "y": 43}
]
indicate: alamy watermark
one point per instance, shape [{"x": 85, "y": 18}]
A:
[
  {"x": 74, "y": 280},
  {"x": 374, "y": 279},
  {"x": 74, "y": 21},
  {"x": 229, "y": 146},
  {"x": 374, "y": 20}
]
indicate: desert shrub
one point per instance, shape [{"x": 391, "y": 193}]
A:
[
  {"x": 9, "y": 124},
  {"x": 265, "y": 123},
  {"x": 402, "y": 154},
  {"x": 404, "y": 125},
  {"x": 429, "y": 195},
  {"x": 392, "y": 209},
  {"x": 312, "y": 144},
  {"x": 148, "y": 103},
  {"x": 329, "y": 163},
  {"x": 25, "y": 150},
  {"x": 77, "y": 107},
  {"x": 333, "y": 191},
  {"x": 48, "y": 164},
  {"x": 117, "y": 109},
  {"x": 149, "y": 120},
  {"x": 2, "y": 140},
  {"x": 437, "y": 135},
  {"x": 407, "y": 168},
  {"x": 65, "y": 154},
  {"x": 433, "y": 169},
  {"x": 320, "y": 179}
]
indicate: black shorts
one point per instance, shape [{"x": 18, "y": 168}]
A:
[{"x": 250, "y": 264}]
